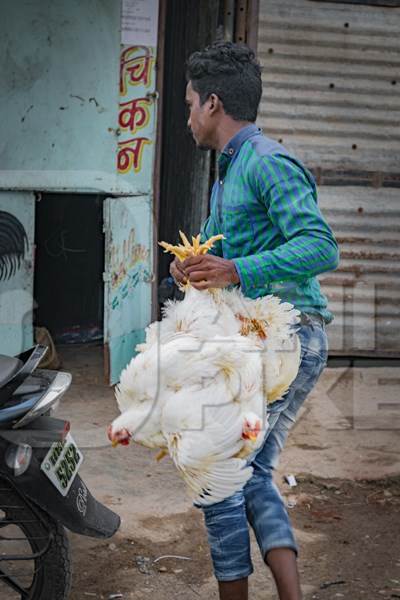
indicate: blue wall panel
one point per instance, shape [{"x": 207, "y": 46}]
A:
[{"x": 128, "y": 277}]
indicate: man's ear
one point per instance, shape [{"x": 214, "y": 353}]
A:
[{"x": 215, "y": 103}]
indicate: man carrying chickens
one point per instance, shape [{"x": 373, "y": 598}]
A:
[{"x": 276, "y": 242}]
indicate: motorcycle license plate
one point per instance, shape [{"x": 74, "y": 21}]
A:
[{"x": 61, "y": 464}]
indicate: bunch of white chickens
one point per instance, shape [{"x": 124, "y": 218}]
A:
[{"x": 199, "y": 385}]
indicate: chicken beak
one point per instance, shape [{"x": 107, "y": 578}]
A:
[
  {"x": 114, "y": 443},
  {"x": 250, "y": 435}
]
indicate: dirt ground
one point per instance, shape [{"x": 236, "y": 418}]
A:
[
  {"x": 345, "y": 508},
  {"x": 349, "y": 548}
]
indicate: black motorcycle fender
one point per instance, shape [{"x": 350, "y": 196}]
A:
[{"x": 78, "y": 511}]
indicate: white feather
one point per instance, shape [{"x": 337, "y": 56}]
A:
[{"x": 196, "y": 381}]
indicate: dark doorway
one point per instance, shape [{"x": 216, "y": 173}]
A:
[
  {"x": 69, "y": 264},
  {"x": 185, "y": 170}
]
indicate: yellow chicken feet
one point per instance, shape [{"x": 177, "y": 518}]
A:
[
  {"x": 160, "y": 455},
  {"x": 191, "y": 249}
]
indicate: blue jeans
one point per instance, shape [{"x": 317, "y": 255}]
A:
[{"x": 260, "y": 502}]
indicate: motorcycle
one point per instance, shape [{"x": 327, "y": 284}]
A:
[{"x": 41, "y": 492}]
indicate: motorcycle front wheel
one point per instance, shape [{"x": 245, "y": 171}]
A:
[{"x": 34, "y": 550}]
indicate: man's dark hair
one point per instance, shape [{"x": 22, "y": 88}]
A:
[{"x": 231, "y": 72}]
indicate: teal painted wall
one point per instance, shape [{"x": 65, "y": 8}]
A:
[
  {"x": 128, "y": 278},
  {"x": 59, "y": 95},
  {"x": 79, "y": 114},
  {"x": 16, "y": 292}
]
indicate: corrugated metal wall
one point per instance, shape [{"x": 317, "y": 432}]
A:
[{"x": 332, "y": 96}]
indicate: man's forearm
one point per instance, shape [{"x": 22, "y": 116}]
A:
[{"x": 300, "y": 258}]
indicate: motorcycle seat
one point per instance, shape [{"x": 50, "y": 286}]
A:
[{"x": 8, "y": 367}]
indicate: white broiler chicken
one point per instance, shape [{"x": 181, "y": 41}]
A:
[{"x": 199, "y": 385}]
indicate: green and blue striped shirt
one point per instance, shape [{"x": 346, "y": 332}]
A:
[{"x": 265, "y": 204}]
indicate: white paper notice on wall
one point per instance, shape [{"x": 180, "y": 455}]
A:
[{"x": 139, "y": 22}]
